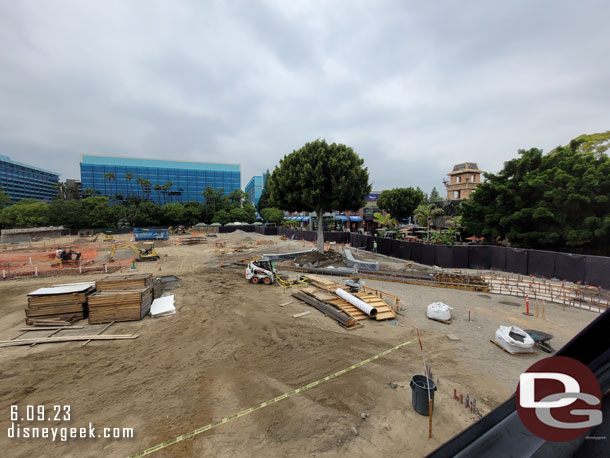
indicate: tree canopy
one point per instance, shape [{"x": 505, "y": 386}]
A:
[
  {"x": 547, "y": 201},
  {"x": 434, "y": 197},
  {"x": 320, "y": 177},
  {"x": 400, "y": 202},
  {"x": 272, "y": 215}
]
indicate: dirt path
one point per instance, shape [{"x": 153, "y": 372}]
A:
[{"x": 231, "y": 346}]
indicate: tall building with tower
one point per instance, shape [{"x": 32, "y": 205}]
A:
[
  {"x": 159, "y": 181},
  {"x": 463, "y": 180}
]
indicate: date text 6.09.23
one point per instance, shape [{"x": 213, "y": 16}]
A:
[{"x": 40, "y": 413}]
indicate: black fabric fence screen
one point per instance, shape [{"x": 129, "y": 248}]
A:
[
  {"x": 444, "y": 256},
  {"x": 460, "y": 257},
  {"x": 479, "y": 257},
  {"x": 570, "y": 267},
  {"x": 593, "y": 270},
  {"x": 597, "y": 271},
  {"x": 498, "y": 258},
  {"x": 516, "y": 261},
  {"x": 541, "y": 263}
]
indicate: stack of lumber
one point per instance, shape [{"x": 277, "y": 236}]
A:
[
  {"x": 193, "y": 240},
  {"x": 116, "y": 282},
  {"x": 325, "y": 291},
  {"x": 58, "y": 304},
  {"x": 121, "y": 298}
]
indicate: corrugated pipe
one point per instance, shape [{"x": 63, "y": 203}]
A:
[{"x": 360, "y": 304}]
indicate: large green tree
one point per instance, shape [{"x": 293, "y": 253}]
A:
[
  {"x": 5, "y": 199},
  {"x": 548, "y": 201},
  {"x": 273, "y": 215},
  {"x": 400, "y": 202},
  {"x": 434, "y": 197},
  {"x": 320, "y": 177},
  {"x": 67, "y": 213},
  {"x": 26, "y": 213}
]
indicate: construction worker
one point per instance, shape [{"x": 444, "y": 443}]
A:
[{"x": 374, "y": 246}]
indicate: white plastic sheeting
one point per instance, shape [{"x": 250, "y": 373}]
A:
[
  {"x": 360, "y": 304},
  {"x": 439, "y": 311},
  {"x": 519, "y": 342},
  {"x": 63, "y": 289},
  {"x": 163, "y": 306}
]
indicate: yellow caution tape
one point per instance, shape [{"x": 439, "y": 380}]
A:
[{"x": 266, "y": 403}]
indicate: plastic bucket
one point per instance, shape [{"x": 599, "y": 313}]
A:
[{"x": 419, "y": 393}]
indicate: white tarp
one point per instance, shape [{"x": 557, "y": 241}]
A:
[
  {"x": 439, "y": 311},
  {"x": 514, "y": 339},
  {"x": 63, "y": 289},
  {"x": 163, "y": 306}
]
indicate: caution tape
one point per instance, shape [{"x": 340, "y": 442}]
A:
[{"x": 203, "y": 429}]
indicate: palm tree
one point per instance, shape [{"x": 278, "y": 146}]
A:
[
  {"x": 88, "y": 192},
  {"x": 385, "y": 220},
  {"x": 168, "y": 188},
  {"x": 425, "y": 213},
  {"x": 129, "y": 177},
  {"x": 109, "y": 176},
  {"x": 157, "y": 187},
  {"x": 147, "y": 186},
  {"x": 60, "y": 187},
  {"x": 141, "y": 182}
]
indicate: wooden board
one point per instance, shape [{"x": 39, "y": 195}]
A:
[
  {"x": 118, "y": 282},
  {"x": 56, "y": 299},
  {"x": 512, "y": 354},
  {"x": 62, "y": 318},
  {"x": 41, "y": 340},
  {"x": 55, "y": 310}
]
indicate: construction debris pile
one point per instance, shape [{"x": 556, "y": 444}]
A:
[
  {"x": 62, "y": 304},
  {"x": 348, "y": 308},
  {"x": 317, "y": 259},
  {"x": 121, "y": 298}
]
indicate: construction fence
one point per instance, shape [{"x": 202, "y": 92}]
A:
[{"x": 576, "y": 268}]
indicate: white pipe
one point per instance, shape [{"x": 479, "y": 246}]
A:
[{"x": 360, "y": 304}]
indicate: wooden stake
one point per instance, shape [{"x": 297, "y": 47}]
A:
[
  {"x": 543, "y": 316},
  {"x": 427, "y": 384},
  {"x": 430, "y": 408}
]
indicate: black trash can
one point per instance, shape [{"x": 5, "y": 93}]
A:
[{"x": 419, "y": 393}]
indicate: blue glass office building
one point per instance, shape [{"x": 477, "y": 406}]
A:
[
  {"x": 189, "y": 178},
  {"x": 254, "y": 188},
  {"x": 22, "y": 181}
]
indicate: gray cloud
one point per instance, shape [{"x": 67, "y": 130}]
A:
[{"x": 413, "y": 88}]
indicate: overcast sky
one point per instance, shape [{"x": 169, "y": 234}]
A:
[{"x": 413, "y": 87}]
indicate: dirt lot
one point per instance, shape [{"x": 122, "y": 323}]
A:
[{"x": 231, "y": 346}]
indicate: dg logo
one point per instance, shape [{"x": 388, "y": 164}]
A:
[{"x": 559, "y": 399}]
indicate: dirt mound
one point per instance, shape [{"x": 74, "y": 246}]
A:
[{"x": 317, "y": 259}]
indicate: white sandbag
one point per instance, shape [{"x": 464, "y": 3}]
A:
[
  {"x": 163, "y": 306},
  {"x": 519, "y": 342},
  {"x": 439, "y": 311}
]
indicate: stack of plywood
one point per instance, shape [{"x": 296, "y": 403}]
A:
[
  {"x": 117, "y": 282},
  {"x": 61, "y": 304},
  {"x": 121, "y": 298}
]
